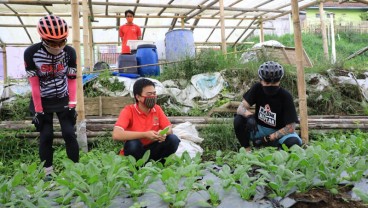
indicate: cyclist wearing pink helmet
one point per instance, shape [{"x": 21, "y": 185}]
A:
[{"x": 51, "y": 71}]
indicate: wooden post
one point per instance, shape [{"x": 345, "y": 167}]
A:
[
  {"x": 333, "y": 48},
  {"x": 100, "y": 106},
  {"x": 300, "y": 72},
  {"x": 81, "y": 123},
  {"x": 86, "y": 48},
  {"x": 261, "y": 32},
  {"x": 182, "y": 23},
  {"x": 5, "y": 64},
  {"x": 91, "y": 48},
  {"x": 323, "y": 30},
  {"x": 223, "y": 38}
]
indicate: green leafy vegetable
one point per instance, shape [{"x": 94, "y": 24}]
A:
[{"x": 164, "y": 131}]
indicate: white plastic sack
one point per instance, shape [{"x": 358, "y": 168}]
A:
[
  {"x": 252, "y": 55},
  {"x": 187, "y": 131},
  {"x": 208, "y": 84},
  {"x": 268, "y": 43},
  {"x": 188, "y": 136},
  {"x": 186, "y": 96}
]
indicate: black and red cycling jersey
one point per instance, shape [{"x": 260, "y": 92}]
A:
[{"x": 53, "y": 72}]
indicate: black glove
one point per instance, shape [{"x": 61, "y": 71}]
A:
[
  {"x": 263, "y": 141},
  {"x": 251, "y": 124},
  {"x": 38, "y": 120},
  {"x": 72, "y": 113}
]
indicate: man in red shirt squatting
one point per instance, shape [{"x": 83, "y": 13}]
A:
[
  {"x": 139, "y": 125},
  {"x": 129, "y": 31}
]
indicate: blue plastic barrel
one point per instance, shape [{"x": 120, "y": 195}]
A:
[
  {"x": 179, "y": 44},
  {"x": 147, "y": 54}
]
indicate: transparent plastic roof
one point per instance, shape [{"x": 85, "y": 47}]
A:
[{"x": 18, "y": 18}]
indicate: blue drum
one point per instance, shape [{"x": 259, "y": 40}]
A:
[{"x": 147, "y": 54}]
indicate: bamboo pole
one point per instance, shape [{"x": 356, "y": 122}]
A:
[
  {"x": 105, "y": 121},
  {"x": 91, "y": 48},
  {"x": 86, "y": 43},
  {"x": 144, "y": 29},
  {"x": 300, "y": 72},
  {"x": 122, "y": 16},
  {"x": 288, "y": 12},
  {"x": 98, "y": 129},
  {"x": 125, "y": 4},
  {"x": 233, "y": 30},
  {"x": 223, "y": 38},
  {"x": 261, "y": 32},
  {"x": 115, "y": 42},
  {"x": 202, "y": 9},
  {"x": 81, "y": 124},
  {"x": 5, "y": 65},
  {"x": 323, "y": 30},
  {"x": 57, "y": 134},
  {"x": 249, "y": 26},
  {"x": 333, "y": 48},
  {"x": 182, "y": 24},
  {"x": 108, "y": 124},
  {"x": 154, "y": 27}
]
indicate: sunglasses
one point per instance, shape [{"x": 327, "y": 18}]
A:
[{"x": 55, "y": 44}]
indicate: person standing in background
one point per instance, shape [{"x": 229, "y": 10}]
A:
[{"x": 129, "y": 31}]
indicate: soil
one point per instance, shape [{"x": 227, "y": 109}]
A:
[{"x": 323, "y": 198}]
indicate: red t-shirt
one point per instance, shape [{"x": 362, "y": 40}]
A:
[
  {"x": 131, "y": 118},
  {"x": 129, "y": 32}
]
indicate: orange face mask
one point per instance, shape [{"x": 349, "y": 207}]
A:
[{"x": 129, "y": 19}]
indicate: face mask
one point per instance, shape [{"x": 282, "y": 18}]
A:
[
  {"x": 129, "y": 19},
  {"x": 150, "y": 101},
  {"x": 53, "y": 51},
  {"x": 270, "y": 90}
]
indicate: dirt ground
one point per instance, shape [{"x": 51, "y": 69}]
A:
[{"x": 323, "y": 198}]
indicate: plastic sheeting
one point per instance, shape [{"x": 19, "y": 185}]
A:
[
  {"x": 208, "y": 85},
  {"x": 204, "y": 86}
]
